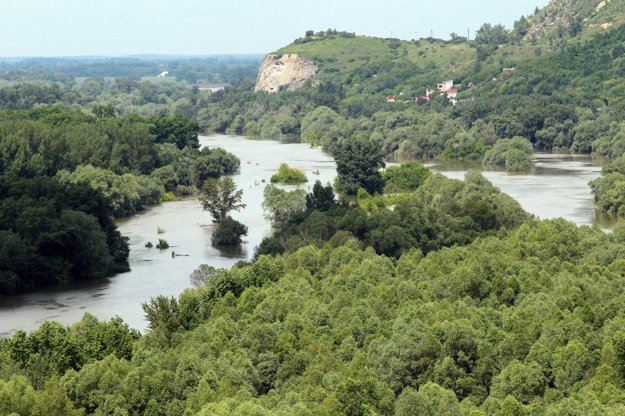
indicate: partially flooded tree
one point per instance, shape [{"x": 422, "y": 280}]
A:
[{"x": 220, "y": 196}]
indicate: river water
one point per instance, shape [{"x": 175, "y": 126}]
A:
[{"x": 557, "y": 186}]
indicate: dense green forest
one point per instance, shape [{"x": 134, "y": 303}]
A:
[
  {"x": 525, "y": 322},
  {"x": 65, "y": 175},
  {"x": 415, "y": 295}
]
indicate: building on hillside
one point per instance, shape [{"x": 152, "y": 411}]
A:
[
  {"x": 508, "y": 71},
  {"x": 429, "y": 92},
  {"x": 452, "y": 94},
  {"x": 163, "y": 74},
  {"x": 445, "y": 85},
  {"x": 390, "y": 99},
  {"x": 471, "y": 85}
]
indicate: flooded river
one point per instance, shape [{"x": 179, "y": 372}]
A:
[{"x": 557, "y": 186}]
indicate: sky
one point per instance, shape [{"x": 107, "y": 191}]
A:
[{"x": 204, "y": 27}]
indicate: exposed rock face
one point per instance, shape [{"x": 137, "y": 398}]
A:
[
  {"x": 560, "y": 13},
  {"x": 288, "y": 71}
]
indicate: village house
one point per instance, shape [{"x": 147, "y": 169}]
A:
[
  {"x": 390, "y": 99},
  {"x": 508, "y": 71},
  {"x": 163, "y": 74},
  {"x": 452, "y": 94},
  {"x": 445, "y": 85},
  {"x": 471, "y": 85}
]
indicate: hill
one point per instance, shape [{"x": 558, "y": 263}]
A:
[
  {"x": 343, "y": 58},
  {"x": 570, "y": 17}
]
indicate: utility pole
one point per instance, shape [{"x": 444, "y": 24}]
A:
[
  {"x": 432, "y": 33},
  {"x": 468, "y": 34}
]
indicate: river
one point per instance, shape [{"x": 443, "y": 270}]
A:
[{"x": 557, "y": 186}]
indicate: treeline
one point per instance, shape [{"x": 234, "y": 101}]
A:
[
  {"x": 55, "y": 233},
  {"x": 133, "y": 160},
  {"x": 66, "y": 175},
  {"x": 226, "y": 68},
  {"x": 524, "y": 322}
]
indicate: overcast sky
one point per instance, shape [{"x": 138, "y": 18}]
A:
[{"x": 202, "y": 27}]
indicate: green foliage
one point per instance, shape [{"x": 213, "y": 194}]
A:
[
  {"x": 514, "y": 154},
  {"x": 406, "y": 177},
  {"x": 321, "y": 198},
  {"x": 289, "y": 176},
  {"x": 220, "y": 196},
  {"x": 228, "y": 232},
  {"x": 168, "y": 197},
  {"x": 609, "y": 189},
  {"x": 523, "y": 322},
  {"x": 55, "y": 233},
  {"x": 175, "y": 129},
  {"x": 162, "y": 244},
  {"x": 358, "y": 164},
  {"x": 440, "y": 213},
  {"x": 203, "y": 275},
  {"x": 281, "y": 205}
]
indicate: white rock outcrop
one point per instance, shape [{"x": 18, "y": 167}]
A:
[{"x": 288, "y": 71}]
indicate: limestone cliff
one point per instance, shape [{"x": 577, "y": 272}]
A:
[{"x": 288, "y": 71}]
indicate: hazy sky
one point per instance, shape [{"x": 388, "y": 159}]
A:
[{"x": 122, "y": 27}]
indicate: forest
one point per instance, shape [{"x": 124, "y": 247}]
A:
[
  {"x": 65, "y": 175},
  {"x": 526, "y": 321},
  {"x": 393, "y": 291}
]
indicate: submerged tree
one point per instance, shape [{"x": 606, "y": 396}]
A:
[
  {"x": 229, "y": 232},
  {"x": 220, "y": 196}
]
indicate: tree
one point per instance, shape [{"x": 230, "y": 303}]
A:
[
  {"x": 229, "y": 232},
  {"x": 515, "y": 154},
  {"x": 492, "y": 35},
  {"x": 104, "y": 111},
  {"x": 220, "y": 196},
  {"x": 321, "y": 198},
  {"x": 203, "y": 275},
  {"x": 358, "y": 164},
  {"x": 281, "y": 205},
  {"x": 176, "y": 129},
  {"x": 406, "y": 177}
]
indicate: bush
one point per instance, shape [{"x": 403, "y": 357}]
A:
[
  {"x": 406, "y": 177},
  {"x": 289, "y": 176},
  {"x": 514, "y": 154},
  {"x": 229, "y": 232},
  {"x": 162, "y": 244}
]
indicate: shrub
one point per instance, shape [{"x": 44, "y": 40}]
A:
[
  {"x": 162, "y": 244},
  {"x": 514, "y": 154},
  {"x": 406, "y": 177},
  {"x": 289, "y": 176}
]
